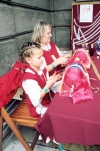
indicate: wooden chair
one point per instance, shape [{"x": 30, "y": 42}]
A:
[{"x": 19, "y": 116}]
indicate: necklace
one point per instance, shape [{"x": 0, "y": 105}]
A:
[
  {"x": 46, "y": 47},
  {"x": 40, "y": 74},
  {"x": 43, "y": 77}
]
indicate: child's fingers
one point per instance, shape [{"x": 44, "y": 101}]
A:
[
  {"x": 57, "y": 77},
  {"x": 54, "y": 73}
]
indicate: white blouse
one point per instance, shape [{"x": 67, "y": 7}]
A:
[{"x": 48, "y": 47}]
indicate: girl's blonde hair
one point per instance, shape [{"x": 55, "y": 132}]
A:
[
  {"x": 27, "y": 50},
  {"x": 39, "y": 31}
]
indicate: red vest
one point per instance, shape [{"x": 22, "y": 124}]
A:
[
  {"x": 41, "y": 82},
  {"x": 47, "y": 55}
]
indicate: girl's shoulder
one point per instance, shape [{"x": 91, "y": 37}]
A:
[{"x": 29, "y": 71}]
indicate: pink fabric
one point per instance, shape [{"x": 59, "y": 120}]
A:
[
  {"x": 76, "y": 83},
  {"x": 83, "y": 55},
  {"x": 69, "y": 123}
]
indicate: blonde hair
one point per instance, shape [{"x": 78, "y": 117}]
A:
[
  {"x": 27, "y": 50},
  {"x": 39, "y": 31}
]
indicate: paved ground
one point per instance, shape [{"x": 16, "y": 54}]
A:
[{"x": 14, "y": 145}]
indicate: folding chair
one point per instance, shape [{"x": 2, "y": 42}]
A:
[{"x": 20, "y": 116}]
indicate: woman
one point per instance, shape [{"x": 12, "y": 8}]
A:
[{"x": 54, "y": 60}]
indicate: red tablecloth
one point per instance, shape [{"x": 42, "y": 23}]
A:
[{"x": 69, "y": 123}]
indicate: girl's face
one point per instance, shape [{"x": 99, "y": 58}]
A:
[
  {"x": 46, "y": 38},
  {"x": 36, "y": 59}
]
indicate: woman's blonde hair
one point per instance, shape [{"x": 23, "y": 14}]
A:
[
  {"x": 39, "y": 31},
  {"x": 27, "y": 50}
]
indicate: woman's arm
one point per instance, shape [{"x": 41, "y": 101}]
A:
[
  {"x": 56, "y": 62},
  {"x": 61, "y": 60},
  {"x": 59, "y": 52}
]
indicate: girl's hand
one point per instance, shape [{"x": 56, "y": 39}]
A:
[
  {"x": 59, "y": 75},
  {"x": 51, "y": 80}
]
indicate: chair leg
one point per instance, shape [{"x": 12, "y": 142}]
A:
[
  {"x": 35, "y": 140},
  {"x": 15, "y": 130},
  {"x": 1, "y": 131}
]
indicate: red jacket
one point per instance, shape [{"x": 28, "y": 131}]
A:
[
  {"x": 48, "y": 57},
  {"x": 10, "y": 82}
]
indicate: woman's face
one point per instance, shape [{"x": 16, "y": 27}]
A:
[{"x": 46, "y": 36}]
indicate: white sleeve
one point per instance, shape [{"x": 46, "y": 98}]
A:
[
  {"x": 59, "y": 52},
  {"x": 54, "y": 88},
  {"x": 32, "y": 89}
]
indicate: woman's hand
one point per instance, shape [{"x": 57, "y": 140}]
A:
[{"x": 62, "y": 59}]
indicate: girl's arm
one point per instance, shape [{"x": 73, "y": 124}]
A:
[
  {"x": 50, "y": 84},
  {"x": 32, "y": 89}
]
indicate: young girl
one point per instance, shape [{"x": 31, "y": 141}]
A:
[{"x": 36, "y": 83}]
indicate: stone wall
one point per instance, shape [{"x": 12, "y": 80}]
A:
[{"x": 18, "y": 18}]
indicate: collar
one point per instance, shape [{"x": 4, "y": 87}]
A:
[{"x": 46, "y": 47}]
